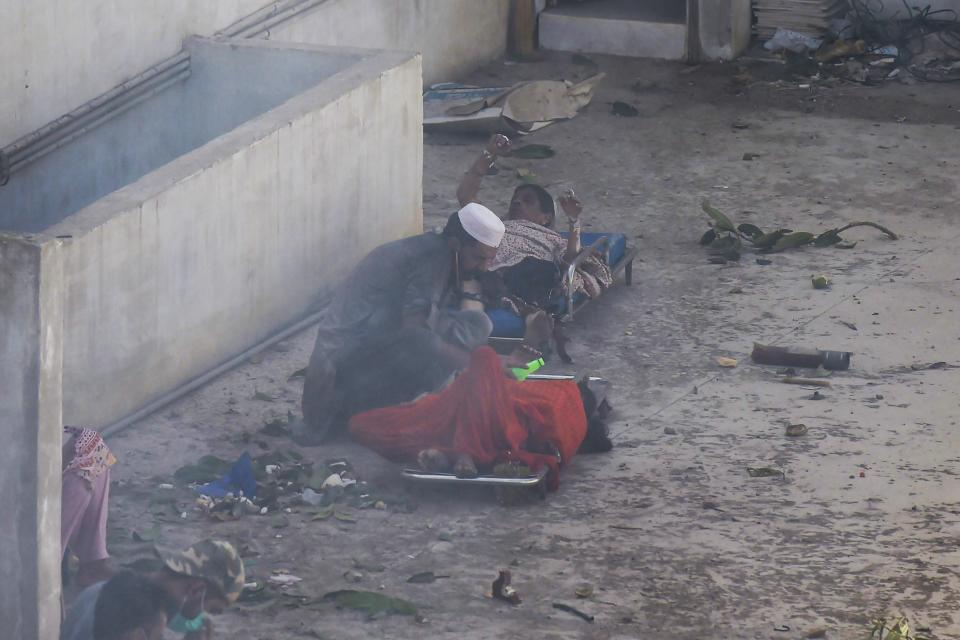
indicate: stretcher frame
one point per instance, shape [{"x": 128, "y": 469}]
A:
[
  {"x": 624, "y": 266},
  {"x": 535, "y": 481}
]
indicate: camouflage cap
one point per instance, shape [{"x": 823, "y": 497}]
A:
[{"x": 213, "y": 560}]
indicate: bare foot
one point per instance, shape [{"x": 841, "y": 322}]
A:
[
  {"x": 464, "y": 467},
  {"x": 92, "y": 572},
  {"x": 539, "y": 328},
  {"x": 433, "y": 460}
]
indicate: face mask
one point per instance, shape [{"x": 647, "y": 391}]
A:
[{"x": 179, "y": 624}]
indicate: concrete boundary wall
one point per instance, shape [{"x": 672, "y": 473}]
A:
[
  {"x": 724, "y": 28},
  {"x": 31, "y": 298},
  {"x": 196, "y": 261},
  {"x": 58, "y": 54}
]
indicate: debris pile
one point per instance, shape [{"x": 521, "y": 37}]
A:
[
  {"x": 865, "y": 47},
  {"x": 276, "y": 482},
  {"x": 797, "y": 15}
]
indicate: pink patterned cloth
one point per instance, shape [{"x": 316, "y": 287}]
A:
[
  {"x": 91, "y": 456},
  {"x": 83, "y": 516},
  {"x": 524, "y": 239}
]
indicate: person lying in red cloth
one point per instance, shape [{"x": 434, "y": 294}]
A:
[{"x": 483, "y": 418}]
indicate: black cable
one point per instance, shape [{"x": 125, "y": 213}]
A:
[
  {"x": 4, "y": 169},
  {"x": 903, "y": 32}
]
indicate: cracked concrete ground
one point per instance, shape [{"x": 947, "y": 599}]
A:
[{"x": 676, "y": 539}]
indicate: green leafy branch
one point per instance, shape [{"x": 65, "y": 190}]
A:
[
  {"x": 894, "y": 629},
  {"x": 725, "y": 239}
]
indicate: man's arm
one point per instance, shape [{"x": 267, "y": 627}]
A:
[
  {"x": 449, "y": 355},
  {"x": 470, "y": 182}
]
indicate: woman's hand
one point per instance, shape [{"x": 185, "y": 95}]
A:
[
  {"x": 499, "y": 145},
  {"x": 470, "y": 182},
  {"x": 571, "y": 205}
]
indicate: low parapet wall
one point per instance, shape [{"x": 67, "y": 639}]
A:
[{"x": 216, "y": 249}]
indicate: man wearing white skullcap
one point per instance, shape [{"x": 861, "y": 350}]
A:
[
  {"x": 481, "y": 224},
  {"x": 402, "y": 322}
]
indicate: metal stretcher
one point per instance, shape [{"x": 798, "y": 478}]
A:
[
  {"x": 509, "y": 328},
  {"x": 534, "y": 482}
]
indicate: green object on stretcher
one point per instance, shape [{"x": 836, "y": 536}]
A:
[{"x": 521, "y": 373}]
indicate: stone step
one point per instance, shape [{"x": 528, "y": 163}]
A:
[{"x": 634, "y": 28}]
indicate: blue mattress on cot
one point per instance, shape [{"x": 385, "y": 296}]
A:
[{"x": 507, "y": 324}]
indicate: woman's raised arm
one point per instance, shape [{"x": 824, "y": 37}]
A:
[{"x": 470, "y": 182}]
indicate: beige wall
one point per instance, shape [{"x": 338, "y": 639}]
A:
[
  {"x": 724, "y": 28},
  {"x": 58, "y": 54},
  {"x": 31, "y": 306},
  {"x": 219, "y": 249},
  {"x": 454, "y": 36}
]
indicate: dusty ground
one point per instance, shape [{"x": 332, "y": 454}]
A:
[{"x": 676, "y": 539}]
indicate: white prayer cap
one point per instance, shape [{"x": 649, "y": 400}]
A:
[{"x": 482, "y": 224}]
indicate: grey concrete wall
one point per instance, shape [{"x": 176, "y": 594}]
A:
[
  {"x": 724, "y": 28},
  {"x": 213, "y": 252},
  {"x": 31, "y": 298},
  {"x": 59, "y": 54},
  {"x": 453, "y": 36},
  {"x": 227, "y": 86}
]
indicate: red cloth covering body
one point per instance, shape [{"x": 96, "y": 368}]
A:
[{"x": 485, "y": 414}]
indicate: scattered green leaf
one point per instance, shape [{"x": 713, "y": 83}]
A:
[
  {"x": 727, "y": 246},
  {"x": 767, "y": 240},
  {"x": 343, "y": 517},
  {"x": 426, "y": 577},
  {"x": 820, "y": 282},
  {"x": 827, "y": 238},
  {"x": 323, "y": 514},
  {"x": 265, "y": 397},
  {"x": 708, "y": 237},
  {"x": 527, "y": 176},
  {"x": 720, "y": 221},
  {"x": 894, "y": 629},
  {"x": 533, "y": 152},
  {"x": 792, "y": 241},
  {"x": 752, "y": 231}
]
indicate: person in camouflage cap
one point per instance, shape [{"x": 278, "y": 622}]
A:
[{"x": 205, "y": 578}]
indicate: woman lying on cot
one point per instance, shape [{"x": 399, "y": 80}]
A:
[
  {"x": 532, "y": 256},
  {"x": 483, "y": 418}
]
